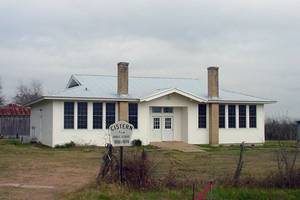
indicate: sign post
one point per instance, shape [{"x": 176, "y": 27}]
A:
[{"x": 120, "y": 134}]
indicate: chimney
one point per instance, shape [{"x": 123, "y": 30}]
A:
[
  {"x": 123, "y": 90},
  {"x": 213, "y": 93},
  {"x": 213, "y": 82},
  {"x": 123, "y": 78}
]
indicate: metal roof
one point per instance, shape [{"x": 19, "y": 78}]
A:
[
  {"x": 14, "y": 110},
  {"x": 105, "y": 87}
]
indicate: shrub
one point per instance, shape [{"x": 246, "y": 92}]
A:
[
  {"x": 137, "y": 171},
  {"x": 136, "y": 143},
  {"x": 66, "y": 145}
]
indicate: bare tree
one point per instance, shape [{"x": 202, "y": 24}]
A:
[
  {"x": 2, "y": 98},
  {"x": 280, "y": 128},
  {"x": 28, "y": 93},
  {"x": 286, "y": 163}
]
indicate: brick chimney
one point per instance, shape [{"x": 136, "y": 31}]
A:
[
  {"x": 213, "y": 82},
  {"x": 123, "y": 90},
  {"x": 123, "y": 78},
  {"x": 213, "y": 93}
]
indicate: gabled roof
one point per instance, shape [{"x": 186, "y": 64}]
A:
[
  {"x": 14, "y": 110},
  {"x": 145, "y": 89},
  {"x": 171, "y": 91}
]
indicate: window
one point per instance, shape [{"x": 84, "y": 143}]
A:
[
  {"x": 221, "y": 116},
  {"x": 110, "y": 114},
  {"x": 69, "y": 115},
  {"x": 82, "y": 115},
  {"x": 231, "y": 116},
  {"x": 97, "y": 115},
  {"x": 133, "y": 114},
  {"x": 168, "y": 110},
  {"x": 202, "y": 116},
  {"x": 160, "y": 109},
  {"x": 156, "y": 123},
  {"x": 242, "y": 116},
  {"x": 168, "y": 123},
  {"x": 156, "y": 109},
  {"x": 252, "y": 116},
  {"x": 73, "y": 83}
]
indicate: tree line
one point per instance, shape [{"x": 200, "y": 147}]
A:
[
  {"x": 25, "y": 93},
  {"x": 282, "y": 128}
]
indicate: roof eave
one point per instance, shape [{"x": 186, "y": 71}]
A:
[
  {"x": 170, "y": 91},
  {"x": 81, "y": 99},
  {"x": 242, "y": 101},
  {"x": 34, "y": 101}
]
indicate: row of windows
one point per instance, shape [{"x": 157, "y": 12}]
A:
[
  {"x": 202, "y": 111},
  {"x": 82, "y": 115},
  {"x": 133, "y": 115}
]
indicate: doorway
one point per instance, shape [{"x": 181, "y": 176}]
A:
[{"x": 162, "y": 122}]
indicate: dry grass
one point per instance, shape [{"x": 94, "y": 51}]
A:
[{"x": 73, "y": 168}]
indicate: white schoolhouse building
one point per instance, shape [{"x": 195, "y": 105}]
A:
[{"x": 160, "y": 109}]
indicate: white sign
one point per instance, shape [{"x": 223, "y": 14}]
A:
[{"x": 120, "y": 133}]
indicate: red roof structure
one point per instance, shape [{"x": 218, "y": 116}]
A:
[{"x": 14, "y": 110}]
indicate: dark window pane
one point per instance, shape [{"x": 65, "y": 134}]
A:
[
  {"x": 156, "y": 123},
  {"x": 110, "y": 114},
  {"x": 133, "y": 114},
  {"x": 168, "y": 110},
  {"x": 168, "y": 123},
  {"x": 69, "y": 115},
  {"x": 156, "y": 109},
  {"x": 97, "y": 115},
  {"x": 231, "y": 116},
  {"x": 242, "y": 116},
  {"x": 82, "y": 115},
  {"x": 221, "y": 116},
  {"x": 252, "y": 116},
  {"x": 202, "y": 116}
]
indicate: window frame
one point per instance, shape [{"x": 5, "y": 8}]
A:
[
  {"x": 231, "y": 116},
  {"x": 70, "y": 115},
  {"x": 156, "y": 123},
  {"x": 82, "y": 118},
  {"x": 133, "y": 114},
  {"x": 242, "y": 116},
  {"x": 98, "y": 116},
  {"x": 110, "y": 115},
  {"x": 222, "y": 117},
  {"x": 252, "y": 116},
  {"x": 159, "y": 109},
  {"x": 168, "y": 110},
  {"x": 168, "y": 123},
  {"x": 202, "y": 117}
]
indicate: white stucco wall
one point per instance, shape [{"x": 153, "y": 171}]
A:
[
  {"x": 248, "y": 135},
  {"x": 41, "y": 122},
  {"x": 51, "y": 119},
  {"x": 186, "y": 118},
  {"x": 87, "y": 136}
]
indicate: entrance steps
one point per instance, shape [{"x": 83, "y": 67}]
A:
[{"x": 178, "y": 145}]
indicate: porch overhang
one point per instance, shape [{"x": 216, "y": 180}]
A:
[{"x": 165, "y": 92}]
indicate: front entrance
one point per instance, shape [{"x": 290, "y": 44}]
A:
[{"x": 162, "y": 124}]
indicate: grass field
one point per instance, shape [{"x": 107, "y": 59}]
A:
[{"x": 72, "y": 172}]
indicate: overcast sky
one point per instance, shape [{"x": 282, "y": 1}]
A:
[{"x": 255, "y": 43}]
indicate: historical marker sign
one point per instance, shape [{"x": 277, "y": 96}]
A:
[{"x": 120, "y": 133}]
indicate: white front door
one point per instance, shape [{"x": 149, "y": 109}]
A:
[
  {"x": 162, "y": 128},
  {"x": 162, "y": 124},
  {"x": 156, "y": 128},
  {"x": 167, "y": 128}
]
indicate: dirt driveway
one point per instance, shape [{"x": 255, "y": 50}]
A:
[{"x": 28, "y": 172}]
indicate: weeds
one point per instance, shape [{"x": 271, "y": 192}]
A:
[{"x": 66, "y": 145}]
